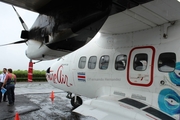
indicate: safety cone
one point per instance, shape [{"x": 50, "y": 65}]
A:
[
  {"x": 16, "y": 117},
  {"x": 52, "y": 96}
]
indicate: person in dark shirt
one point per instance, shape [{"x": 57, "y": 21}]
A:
[{"x": 10, "y": 82}]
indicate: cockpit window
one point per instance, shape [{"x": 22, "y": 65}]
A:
[
  {"x": 58, "y": 59},
  {"x": 140, "y": 62},
  {"x": 92, "y": 62},
  {"x": 167, "y": 62},
  {"x": 104, "y": 62},
  {"x": 120, "y": 63},
  {"x": 82, "y": 62}
]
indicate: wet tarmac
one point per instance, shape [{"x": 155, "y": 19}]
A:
[{"x": 33, "y": 103}]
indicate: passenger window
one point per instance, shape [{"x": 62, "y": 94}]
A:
[
  {"x": 92, "y": 62},
  {"x": 104, "y": 62},
  {"x": 167, "y": 62},
  {"x": 140, "y": 62},
  {"x": 82, "y": 62},
  {"x": 120, "y": 63}
]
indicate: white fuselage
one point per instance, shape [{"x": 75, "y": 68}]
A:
[{"x": 88, "y": 77}]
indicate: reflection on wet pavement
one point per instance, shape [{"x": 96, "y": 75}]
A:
[
  {"x": 60, "y": 109},
  {"x": 45, "y": 109}
]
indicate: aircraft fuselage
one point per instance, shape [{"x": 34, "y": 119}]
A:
[{"x": 142, "y": 65}]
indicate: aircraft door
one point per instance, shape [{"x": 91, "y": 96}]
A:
[{"x": 140, "y": 70}]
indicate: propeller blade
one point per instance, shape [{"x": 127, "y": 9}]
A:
[
  {"x": 21, "y": 20},
  {"x": 17, "y": 42}
]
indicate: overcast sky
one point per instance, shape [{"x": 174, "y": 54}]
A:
[{"x": 13, "y": 56}]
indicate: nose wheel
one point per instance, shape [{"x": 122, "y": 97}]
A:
[{"x": 76, "y": 101}]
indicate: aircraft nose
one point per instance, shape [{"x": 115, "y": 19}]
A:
[
  {"x": 48, "y": 70},
  {"x": 48, "y": 77}
]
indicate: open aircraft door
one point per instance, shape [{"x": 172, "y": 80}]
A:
[{"x": 140, "y": 69}]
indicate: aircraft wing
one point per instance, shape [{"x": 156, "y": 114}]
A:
[
  {"x": 115, "y": 108},
  {"x": 32, "y": 5},
  {"x": 126, "y": 15},
  {"x": 143, "y": 16},
  {"x": 43, "y": 6}
]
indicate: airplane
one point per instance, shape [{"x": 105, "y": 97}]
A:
[{"x": 122, "y": 54}]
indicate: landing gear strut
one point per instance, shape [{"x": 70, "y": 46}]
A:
[{"x": 69, "y": 95}]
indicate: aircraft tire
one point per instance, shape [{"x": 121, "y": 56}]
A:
[{"x": 77, "y": 103}]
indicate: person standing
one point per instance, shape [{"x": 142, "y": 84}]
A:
[
  {"x": 2, "y": 78},
  {"x": 10, "y": 82}
]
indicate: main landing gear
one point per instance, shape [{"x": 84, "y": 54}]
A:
[{"x": 76, "y": 101}]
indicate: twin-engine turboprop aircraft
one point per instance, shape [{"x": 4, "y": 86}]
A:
[{"x": 130, "y": 69}]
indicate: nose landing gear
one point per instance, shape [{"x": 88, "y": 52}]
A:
[{"x": 76, "y": 101}]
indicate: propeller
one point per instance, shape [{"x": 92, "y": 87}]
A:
[
  {"x": 21, "y": 20},
  {"x": 30, "y": 67},
  {"x": 17, "y": 42},
  {"x": 24, "y": 32},
  {"x": 24, "y": 35}
]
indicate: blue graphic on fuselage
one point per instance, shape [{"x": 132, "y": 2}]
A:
[
  {"x": 169, "y": 101},
  {"x": 175, "y": 76}
]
